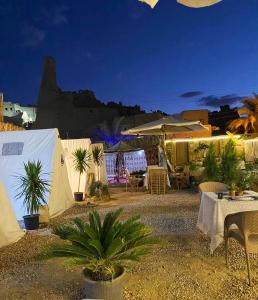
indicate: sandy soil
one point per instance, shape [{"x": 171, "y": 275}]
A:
[{"x": 181, "y": 268}]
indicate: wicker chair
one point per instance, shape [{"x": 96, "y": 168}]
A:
[
  {"x": 213, "y": 186},
  {"x": 246, "y": 234},
  {"x": 157, "y": 181},
  {"x": 133, "y": 181}
]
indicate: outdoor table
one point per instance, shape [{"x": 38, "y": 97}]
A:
[{"x": 213, "y": 211}]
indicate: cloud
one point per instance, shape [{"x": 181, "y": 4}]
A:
[
  {"x": 215, "y": 101},
  {"x": 56, "y": 16},
  {"x": 32, "y": 36},
  {"x": 191, "y": 94}
]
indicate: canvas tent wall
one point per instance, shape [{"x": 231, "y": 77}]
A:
[
  {"x": 10, "y": 231},
  {"x": 70, "y": 146},
  {"x": 18, "y": 147}
]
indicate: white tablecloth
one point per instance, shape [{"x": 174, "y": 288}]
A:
[{"x": 213, "y": 212}]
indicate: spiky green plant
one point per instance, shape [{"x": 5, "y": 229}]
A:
[
  {"x": 102, "y": 246},
  {"x": 97, "y": 155},
  {"x": 211, "y": 167},
  {"x": 32, "y": 187},
  {"x": 229, "y": 163},
  {"x": 81, "y": 159}
]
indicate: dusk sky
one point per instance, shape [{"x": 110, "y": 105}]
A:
[{"x": 170, "y": 58}]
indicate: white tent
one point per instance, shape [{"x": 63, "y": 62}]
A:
[
  {"x": 17, "y": 148},
  {"x": 10, "y": 231},
  {"x": 69, "y": 147}
]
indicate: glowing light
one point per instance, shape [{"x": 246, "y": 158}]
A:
[{"x": 210, "y": 138}]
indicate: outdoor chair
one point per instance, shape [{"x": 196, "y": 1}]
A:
[
  {"x": 157, "y": 181},
  {"x": 213, "y": 186},
  {"x": 246, "y": 234},
  {"x": 132, "y": 181}
]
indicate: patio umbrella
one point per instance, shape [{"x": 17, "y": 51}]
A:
[
  {"x": 190, "y": 3},
  {"x": 166, "y": 125},
  {"x": 121, "y": 147}
]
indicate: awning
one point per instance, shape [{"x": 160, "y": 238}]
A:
[{"x": 166, "y": 125}]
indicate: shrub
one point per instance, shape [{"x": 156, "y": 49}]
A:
[{"x": 102, "y": 246}]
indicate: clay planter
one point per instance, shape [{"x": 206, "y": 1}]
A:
[
  {"x": 78, "y": 196},
  {"x": 106, "y": 290},
  {"x": 31, "y": 222},
  {"x": 232, "y": 193},
  {"x": 240, "y": 193}
]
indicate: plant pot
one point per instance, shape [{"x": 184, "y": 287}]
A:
[
  {"x": 78, "y": 196},
  {"x": 232, "y": 193},
  {"x": 31, "y": 222},
  {"x": 241, "y": 193},
  {"x": 106, "y": 290}
]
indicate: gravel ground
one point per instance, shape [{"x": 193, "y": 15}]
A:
[{"x": 181, "y": 268}]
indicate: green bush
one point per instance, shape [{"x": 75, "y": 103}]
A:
[
  {"x": 102, "y": 246},
  {"x": 212, "y": 169},
  {"x": 229, "y": 166}
]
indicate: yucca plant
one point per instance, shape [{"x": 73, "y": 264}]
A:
[
  {"x": 102, "y": 247},
  {"x": 32, "y": 187},
  {"x": 81, "y": 159},
  {"x": 97, "y": 155}
]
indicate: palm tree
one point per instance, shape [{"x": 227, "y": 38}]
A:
[
  {"x": 102, "y": 246},
  {"x": 97, "y": 155},
  {"x": 110, "y": 132},
  {"x": 81, "y": 159},
  {"x": 33, "y": 188},
  {"x": 248, "y": 124}
]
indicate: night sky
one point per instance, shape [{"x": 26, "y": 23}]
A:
[{"x": 170, "y": 58}]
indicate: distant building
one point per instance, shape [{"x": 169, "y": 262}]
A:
[
  {"x": 28, "y": 113},
  {"x": 80, "y": 114}
]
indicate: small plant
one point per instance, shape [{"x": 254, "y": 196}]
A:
[
  {"x": 229, "y": 166},
  {"x": 102, "y": 247},
  {"x": 81, "y": 159},
  {"x": 211, "y": 171},
  {"x": 244, "y": 181},
  {"x": 97, "y": 155},
  {"x": 98, "y": 189},
  {"x": 32, "y": 187}
]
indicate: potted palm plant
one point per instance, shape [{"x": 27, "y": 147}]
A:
[
  {"x": 33, "y": 188},
  {"x": 97, "y": 155},
  {"x": 81, "y": 159},
  {"x": 102, "y": 248}
]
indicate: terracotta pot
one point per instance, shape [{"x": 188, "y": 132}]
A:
[
  {"x": 78, "y": 196},
  {"x": 240, "y": 193},
  {"x": 232, "y": 193},
  {"x": 106, "y": 290}
]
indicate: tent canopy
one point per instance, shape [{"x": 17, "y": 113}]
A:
[
  {"x": 166, "y": 125},
  {"x": 19, "y": 147},
  {"x": 121, "y": 147},
  {"x": 10, "y": 231}
]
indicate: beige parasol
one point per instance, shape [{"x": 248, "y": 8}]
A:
[
  {"x": 166, "y": 125},
  {"x": 190, "y": 3}
]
